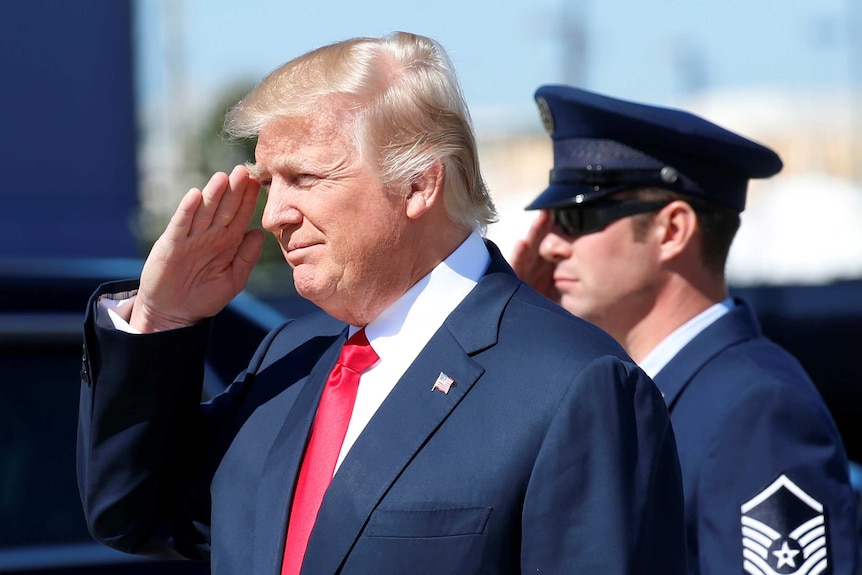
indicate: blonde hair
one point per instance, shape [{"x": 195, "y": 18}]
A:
[{"x": 408, "y": 109}]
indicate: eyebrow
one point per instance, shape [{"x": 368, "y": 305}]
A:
[
  {"x": 289, "y": 163},
  {"x": 279, "y": 164}
]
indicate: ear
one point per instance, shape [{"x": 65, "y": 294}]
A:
[
  {"x": 678, "y": 226},
  {"x": 426, "y": 190}
]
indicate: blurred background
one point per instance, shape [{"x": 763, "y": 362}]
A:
[
  {"x": 785, "y": 72},
  {"x": 112, "y": 108}
]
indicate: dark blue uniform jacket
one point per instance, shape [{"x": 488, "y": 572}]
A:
[{"x": 764, "y": 468}]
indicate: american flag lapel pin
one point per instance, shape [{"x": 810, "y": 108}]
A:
[{"x": 443, "y": 383}]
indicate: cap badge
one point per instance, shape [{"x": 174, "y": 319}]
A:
[{"x": 545, "y": 115}]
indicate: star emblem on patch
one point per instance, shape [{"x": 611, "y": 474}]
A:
[{"x": 784, "y": 532}]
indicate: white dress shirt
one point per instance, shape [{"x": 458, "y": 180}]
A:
[{"x": 403, "y": 330}]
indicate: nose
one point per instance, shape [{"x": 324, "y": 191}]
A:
[
  {"x": 555, "y": 248},
  {"x": 280, "y": 210}
]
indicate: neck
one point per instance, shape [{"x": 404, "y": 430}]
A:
[
  {"x": 404, "y": 270},
  {"x": 676, "y": 303}
]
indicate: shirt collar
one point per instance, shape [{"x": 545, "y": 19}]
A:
[
  {"x": 678, "y": 338},
  {"x": 411, "y": 321}
]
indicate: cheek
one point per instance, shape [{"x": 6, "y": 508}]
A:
[
  {"x": 606, "y": 266},
  {"x": 597, "y": 255}
]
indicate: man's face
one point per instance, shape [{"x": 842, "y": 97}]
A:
[
  {"x": 607, "y": 277},
  {"x": 338, "y": 227}
]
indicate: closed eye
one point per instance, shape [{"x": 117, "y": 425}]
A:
[{"x": 305, "y": 180}]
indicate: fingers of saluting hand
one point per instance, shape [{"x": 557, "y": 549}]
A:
[
  {"x": 244, "y": 210},
  {"x": 224, "y": 203},
  {"x": 525, "y": 255},
  {"x": 247, "y": 255},
  {"x": 540, "y": 228},
  {"x": 205, "y": 256},
  {"x": 210, "y": 226},
  {"x": 528, "y": 262}
]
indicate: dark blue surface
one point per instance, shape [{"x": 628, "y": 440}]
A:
[
  {"x": 68, "y": 151},
  {"x": 42, "y": 304}
]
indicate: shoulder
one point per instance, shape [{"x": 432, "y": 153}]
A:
[
  {"x": 755, "y": 406},
  {"x": 536, "y": 321},
  {"x": 748, "y": 383},
  {"x": 731, "y": 360},
  {"x": 744, "y": 397},
  {"x": 760, "y": 370},
  {"x": 570, "y": 358},
  {"x": 316, "y": 330}
]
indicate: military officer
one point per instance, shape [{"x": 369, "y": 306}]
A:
[{"x": 633, "y": 235}]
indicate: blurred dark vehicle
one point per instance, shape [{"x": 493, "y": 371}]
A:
[{"x": 42, "y": 302}]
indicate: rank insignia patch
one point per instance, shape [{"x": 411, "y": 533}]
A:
[{"x": 784, "y": 532}]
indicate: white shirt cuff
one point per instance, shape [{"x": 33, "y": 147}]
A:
[{"x": 115, "y": 311}]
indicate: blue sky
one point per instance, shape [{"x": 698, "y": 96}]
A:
[
  {"x": 664, "y": 52},
  {"x": 657, "y": 51}
]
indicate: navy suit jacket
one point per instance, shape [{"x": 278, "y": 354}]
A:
[
  {"x": 552, "y": 453},
  {"x": 755, "y": 438}
]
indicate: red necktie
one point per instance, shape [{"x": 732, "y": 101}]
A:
[{"x": 327, "y": 435}]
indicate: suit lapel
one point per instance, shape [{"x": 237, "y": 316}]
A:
[
  {"x": 407, "y": 418},
  {"x": 737, "y": 325},
  {"x": 278, "y": 479},
  {"x": 391, "y": 439}
]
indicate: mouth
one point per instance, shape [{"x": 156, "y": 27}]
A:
[
  {"x": 564, "y": 279},
  {"x": 295, "y": 251},
  {"x": 561, "y": 283},
  {"x": 293, "y": 246}
]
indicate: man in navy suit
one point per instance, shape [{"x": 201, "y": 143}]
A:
[
  {"x": 635, "y": 229},
  {"x": 492, "y": 432}
]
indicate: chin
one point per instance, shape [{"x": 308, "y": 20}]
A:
[
  {"x": 307, "y": 292},
  {"x": 304, "y": 283},
  {"x": 578, "y": 309}
]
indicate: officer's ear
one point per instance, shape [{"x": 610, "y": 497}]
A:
[{"x": 677, "y": 228}]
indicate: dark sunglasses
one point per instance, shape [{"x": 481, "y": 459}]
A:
[{"x": 594, "y": 217}]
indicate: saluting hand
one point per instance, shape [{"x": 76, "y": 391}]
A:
[
  {"x": 529, "y": 264},
  {"x": 204, "y": 257}
]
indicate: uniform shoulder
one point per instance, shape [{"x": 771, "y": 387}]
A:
[{"x": 548, "y": 326}]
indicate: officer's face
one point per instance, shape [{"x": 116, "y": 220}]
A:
[{"x": 608, "y": 277}]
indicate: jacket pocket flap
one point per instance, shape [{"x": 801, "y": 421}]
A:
[{"x": 428, "y": 522}]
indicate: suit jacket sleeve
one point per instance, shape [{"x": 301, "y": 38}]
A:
[
  {"x": 606, "y": 494},
  {"x": 139, "y": 439}
]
